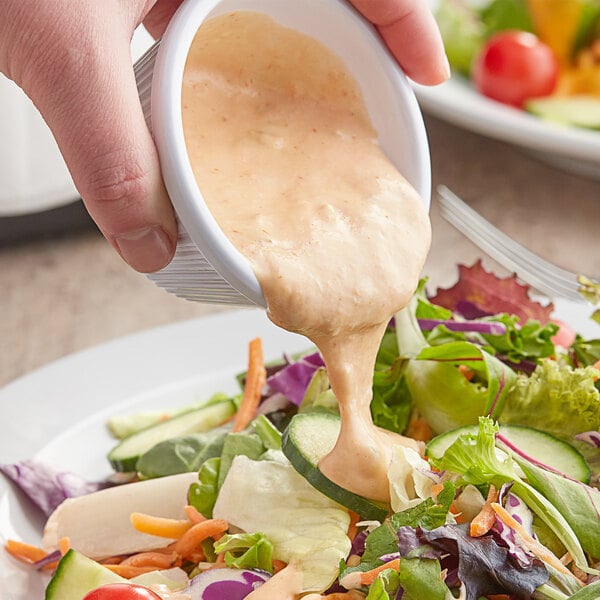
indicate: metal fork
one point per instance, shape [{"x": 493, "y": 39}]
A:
[{"x": 546, "y": 277}]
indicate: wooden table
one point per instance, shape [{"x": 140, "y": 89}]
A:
[{"x": 70, "y": 291}]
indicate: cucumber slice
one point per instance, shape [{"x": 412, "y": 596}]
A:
[
  {"x": 578, "y": 111},
  {"x": 307, "y": 439},
  {"x": 538, "y": 444},
  {"x": 124, "y": 456},
  {"x": 76, "y": 575}
]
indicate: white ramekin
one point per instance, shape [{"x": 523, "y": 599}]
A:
[{"x": 207, "y": 267}]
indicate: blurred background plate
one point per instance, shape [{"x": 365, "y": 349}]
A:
[{"x": 568, "y": 148}]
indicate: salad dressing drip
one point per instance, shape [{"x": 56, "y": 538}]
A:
[{"x": 287, "y": 160}]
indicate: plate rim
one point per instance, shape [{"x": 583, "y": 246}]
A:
[{"x": 457, "y": 102}]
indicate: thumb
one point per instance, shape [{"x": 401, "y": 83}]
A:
[{"x": 85, "y": 89}]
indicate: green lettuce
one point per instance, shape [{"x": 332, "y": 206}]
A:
[
  {"x": 246, "y": 551},
  {"x": 476, "y": 459},
  {"x": 304, "y": 526},
  {"x": 203, "y": 495},
  {"x": 577, "y": 502},
  {"x": 560, "y": 399},
  {"x": 463, "y": 33},
  {"x": 385, "y": 586}
]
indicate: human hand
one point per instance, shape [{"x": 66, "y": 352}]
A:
[
  {"x": 72, "y": 58},
  {"x": 411, "y": 33}
]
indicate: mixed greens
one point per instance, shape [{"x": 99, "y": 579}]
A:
[{"x": 503, "y": 502}]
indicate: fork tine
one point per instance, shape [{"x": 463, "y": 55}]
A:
[
  {"x": 553, "y": 276},
  {"x": 531, "y": 268}
]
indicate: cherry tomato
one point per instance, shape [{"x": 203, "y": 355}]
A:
[
  {"x": 565, "y": 335},
  {"x": 121, "y": 591},
  {"x": 515, "y": 66}
]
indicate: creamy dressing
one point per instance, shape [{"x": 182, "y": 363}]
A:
[{"x": 287, "y": 160}]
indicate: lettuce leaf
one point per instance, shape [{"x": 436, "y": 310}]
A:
[
  {"x": 181, "y": 454},
  {"x": 422, "y": 578},
  {"x": 578, "y": 502},
  {"x": 444, "y": 397},
  {"x": 462, "y": 31},
  {"x": 385, "y": 586},
  {"x": 477, "y": 460},
  {"x": 305, "y": 526},
  {"x": 246, "y": 551},
  {"x": 391, "y": 403},
  {"x": 565, "y": 398},
  {"x": 203, "y": 495}
]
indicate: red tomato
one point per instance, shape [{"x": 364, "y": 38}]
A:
[
  {"x": 515, "y": 66},
  {"x": 121, "y": 591},
  {"x": 565, "y": 335}
]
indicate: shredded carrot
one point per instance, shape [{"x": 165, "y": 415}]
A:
[
  {"x": 64, "y": 545},
  {"x": 193, "y": 514},
  {"x": 158, "y": 560},
  {"x": 195, "y": 557},
  {"x": 190, "y": 541},
  {"x": 160, "y": 526},
  {"x": 25, "y": 552},
  {"x": 255, "y": 381},
  {"x": 51, "y": 566},
  {"x": 111, "y": 560},
  {"x": 498, "y": 597},
  {"x": 128, "y": 571},
  {"x": 278, "y": 565},
  {"x": 419, "y": 429},
  {"x": 529, "y": 542},
  {"x": 484, "y": 520},
  {"x": 352, "y": 528},
  {"x": 436, "y": 488},
  {"x": 596, "y": 366},
  {"x": 466, "y": 372},
  {"x": 368, "y": 577}
]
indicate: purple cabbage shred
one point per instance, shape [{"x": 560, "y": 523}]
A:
[
  {"x": 46, "y": 486},
  {"x": 293, "y": 379},
  {"x": 590, "y": 437},
  {"x": 490, "y": 328}
]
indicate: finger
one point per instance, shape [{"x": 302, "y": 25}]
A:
[
  {"x": 412, "y": 35},
  {"x": 158, "y": 18},
  {"x": 87, "y": 94}
]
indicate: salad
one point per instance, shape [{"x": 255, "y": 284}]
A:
[
  {"x": 542, "y": 56},
  {"x": 224, "y": 499}
]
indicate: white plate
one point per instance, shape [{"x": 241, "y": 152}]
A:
[
  {"x": 58, "y": 413},
  {"x": 569, "y": 148}
]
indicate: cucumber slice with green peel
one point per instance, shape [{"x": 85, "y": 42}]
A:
[
  {"x": 541, "y": 446},
  {"x": 307, "y": 439},
  {"x": 577, "y": 111},
  {"x": 124, "y": 456},
  {"x": 76, "y": 575}
]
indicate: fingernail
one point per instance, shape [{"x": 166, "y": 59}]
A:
[
  {"x": 146, "y": 250},
  {"x": 447, "y": 70}
]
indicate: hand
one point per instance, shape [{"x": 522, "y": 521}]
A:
[
  {"x": 72, "y": 58},
  {"x": 411, "y": 33}
]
